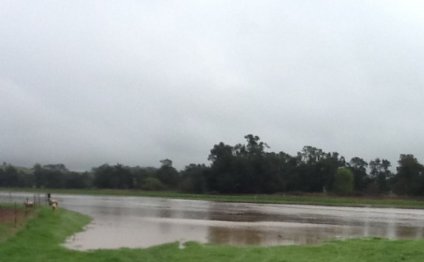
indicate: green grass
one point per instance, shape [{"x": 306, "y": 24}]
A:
[
  {"x": 306, "y": 199},
  {"x": 10, "y": 226},
  {"x": 6, "y": 230},
  {"x": 43, "y": 237}
]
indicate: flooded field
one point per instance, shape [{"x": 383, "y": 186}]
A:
[{"x": 143, "y": 222}]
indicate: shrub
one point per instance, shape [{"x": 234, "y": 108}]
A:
[
  {"x": 152, "y": 183},
  {"x": 343, "y": 181}
]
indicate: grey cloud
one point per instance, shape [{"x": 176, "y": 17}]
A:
[{"x": 84, "y": 83}]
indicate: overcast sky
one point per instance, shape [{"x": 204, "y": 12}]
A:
[{"x": 90, "y": 82}]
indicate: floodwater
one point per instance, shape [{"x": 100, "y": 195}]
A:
[{"x": 144, "y": 222}]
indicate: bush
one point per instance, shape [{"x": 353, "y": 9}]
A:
[
  {"x": 152, "y": 183},
  {"x": 343, "y": 181}
]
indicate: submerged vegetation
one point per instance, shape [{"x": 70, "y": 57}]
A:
[{"x": 43, "y": 238}]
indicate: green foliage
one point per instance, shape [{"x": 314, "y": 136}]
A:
[
  {"x": 246, "y": 168},
  {"x": 8, "y": 225},
  {"x": 193, "y": 179},
  {"x": 343, "y": 181},
  {"x": 410, "y": 177},
  {"x": 152, "y": 184},
  {"x": 358, "y": 166},
  {"x": 117, "y": 176},
  {"x": 167, "y": 174},
  {"x": 316, "y": 169},
  {"x": 235, "y": 169},
  {"x": 11, "y": 176},
  {"x": 379, "y": 176}
]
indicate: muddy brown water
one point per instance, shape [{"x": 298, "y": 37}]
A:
[{"x": 144, "y": 222}]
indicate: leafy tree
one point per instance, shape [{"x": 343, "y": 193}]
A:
[
  {"x": 311, "y": 155},
  {"x": 380, "y": 175},
  {"x": 254, "y": 145},
  {"x": 193, "y": 178},
  {"x": 9, "y": 176},
  {"x": 221, "y": 178},
  {"x": 152, "y": 183},
  {"x": 103, "y": 176},
  {"x": 123, "y": 176},
  {"x": 316, "y": 169},
  {"x": 248, "y": 168},
  {"x": 220, "y": 152},
  {"x": 409, "y": 179},
  {"x": 79, "y": 180},
  {"x": 167, "y": 174},
  {"x": 117, "y": 176},
  {"x": 51, "y": 176},
  {"x": 343, "y": 181},
  {"x": 244, "y": 168},
  {"x": 329, "y": 166},
  {"x": 141, "y": 174},
  {"x": 290, "y": 172},
  {"x": 359, "y": 170}
]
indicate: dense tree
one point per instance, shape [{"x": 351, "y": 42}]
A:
[
  {"x": 409, "y": 179},
  {"x": 51, "y": 176},
  {"x": 242, "y": 168},
  {"x": 193, "y": 178},
  {"x": 343, "y": 181},
  {"x": 221, "y": 178},
  {"x": 248, "y": 168},
  {"x": 152, "y": 183},
  {"x": 142, "y": 174},
  {"x": 359, "y": 171},
  {"x": 117, "y": 176},
  {"x": 316, "y": 169},
  {"x": 79, "y": 180},
  {"x": 220, "y": 152},
  {"x": 380, "y": 175},
  {"x": 9, "y": 176},
  {"x": 254, "y": 146},
  {"x": 167, "y": 174}
]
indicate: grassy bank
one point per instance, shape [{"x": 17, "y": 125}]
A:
[
  {"x": 12, "y": 219},
  {"x": 43, "y": 237},
  {"x": 306, "y": 199}
]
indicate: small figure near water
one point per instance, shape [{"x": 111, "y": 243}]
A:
[
  {"x": 54, "y": 205},
  {"x": 28, "y": 203},
  {"x": 52, "y": 202}
]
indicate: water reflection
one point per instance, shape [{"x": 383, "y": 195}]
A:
[{"x": 142, "y": 222}]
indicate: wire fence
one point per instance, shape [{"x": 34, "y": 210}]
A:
[{"x": 18, "y": 205}]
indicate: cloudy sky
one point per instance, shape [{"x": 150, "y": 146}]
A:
[{"x": 90, "y": 82}]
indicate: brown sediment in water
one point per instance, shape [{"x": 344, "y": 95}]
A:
[{"x": 144, "y": 222}]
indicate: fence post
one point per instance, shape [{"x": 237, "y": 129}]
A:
[{"x": 16, "y": 218}]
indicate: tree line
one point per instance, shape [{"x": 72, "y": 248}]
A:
[{"x": 247, "y": 168}]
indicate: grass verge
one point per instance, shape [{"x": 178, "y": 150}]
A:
[
  {"x": 306, "y": 199},
  {"x": 43, "y": 237},
  {"x": 12, "y": 219}
]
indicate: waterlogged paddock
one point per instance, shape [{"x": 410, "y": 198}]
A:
[{"x": 143, "y": 222}]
